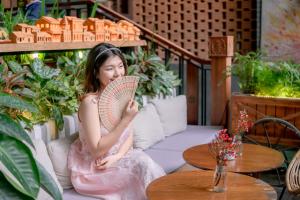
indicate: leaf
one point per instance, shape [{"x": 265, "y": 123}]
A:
[
  {"x": 25, "y": 92},
  {"x": 11, "y": 128},
  {"x": 18, "y": 160},
  {"x": 94, "y": 9},
  {"x": 58, "y": 117},
  {"x": 14, "y": 66},
  {"x": 153, "y": 58},
  {"x": 48, "y": 183},
  {"x": 43, "y": 72},
  {"x": 9, "y": 191},
  {"x": 16, "y": 102}
]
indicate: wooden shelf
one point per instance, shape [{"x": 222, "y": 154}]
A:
[{"x": 59, "y": 46}]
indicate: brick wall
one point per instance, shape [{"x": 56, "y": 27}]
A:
[{"x": 189, "y": 23}]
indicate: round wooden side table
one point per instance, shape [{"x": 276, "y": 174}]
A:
[
  {"x": 195, "y": 185},
  {"x": 255, "y": 158}
]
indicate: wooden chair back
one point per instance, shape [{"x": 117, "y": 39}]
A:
[{"x": 293, "y": 175}]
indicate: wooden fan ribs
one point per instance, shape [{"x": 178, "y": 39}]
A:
[{"x": 115, "y": 98}]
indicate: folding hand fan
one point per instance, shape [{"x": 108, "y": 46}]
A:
[{"x": 115, "y": 98}]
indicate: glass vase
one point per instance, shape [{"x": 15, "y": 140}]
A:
[
  {"x": 219, "y": 179},
  {"x": 239, "y": 145}
]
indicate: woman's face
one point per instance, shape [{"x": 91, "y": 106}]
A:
[{"x": 111, "y": 69}]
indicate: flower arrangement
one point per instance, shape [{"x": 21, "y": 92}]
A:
[
  {"x": 242, "y": 127},
  {"x": 227, "y": 147},
  {"x": 222, "y": 147},
  {"x": 243, "y": 123}
]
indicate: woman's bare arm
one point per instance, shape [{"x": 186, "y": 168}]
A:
[
  {"x": 126, "y": 145},
  {"x": 99, "y": 144}
]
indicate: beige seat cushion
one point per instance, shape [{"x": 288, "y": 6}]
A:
[
  {"x": 58, "y": 152},
  {"x": 172, "y": 113},
  {"x": 147, "y": 128}
]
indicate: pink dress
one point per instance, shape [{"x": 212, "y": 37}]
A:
[{"x": 126, "y": 179}]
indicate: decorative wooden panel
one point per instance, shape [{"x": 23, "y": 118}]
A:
[
  {"x": 189, "y": 23},
  {"x": 258, "y": 107}
]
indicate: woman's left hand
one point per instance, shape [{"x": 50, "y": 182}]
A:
[{"x": 107, "y": 162}]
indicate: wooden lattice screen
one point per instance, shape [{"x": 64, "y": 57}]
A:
[{"x": 189, "y": 23}]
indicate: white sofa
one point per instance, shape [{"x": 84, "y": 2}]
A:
[{"x": 160, "y": 129}]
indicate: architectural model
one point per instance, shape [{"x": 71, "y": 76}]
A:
[{"x": 73, "y": 29}]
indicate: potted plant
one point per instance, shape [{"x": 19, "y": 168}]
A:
[{"x": 267, "y": 89}]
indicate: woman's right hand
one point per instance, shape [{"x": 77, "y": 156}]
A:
[{"x": 131, "y": 110}]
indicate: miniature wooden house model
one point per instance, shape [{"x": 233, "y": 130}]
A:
[
  {"x": 22, "y": 34},
  {"x": 73, "y": 29},
  {"x": 65, "y": 30},
  {"x": 128, "y": 28},
  {"x": 76, "y": 26},
  {"x": 51, "y": 26},
  {"x": 115, "y": 34},
  {"x": 137, "y": 33},
  {"x": 95, "y": 26}
]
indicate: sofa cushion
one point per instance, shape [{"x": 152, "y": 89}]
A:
[
  {"x": 168, "y": 160},
  {"x": 42, "y": 157},
  {"x": 192, "y": 136},
  {"x": 172, "y": 113},
  {"x": 147, "y": 128},
  {"x": 58, "y": 152}
]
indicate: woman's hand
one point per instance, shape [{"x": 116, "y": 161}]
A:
[
  {"x": 107, "y": 162},
  {"x": 131, "y": 110}
]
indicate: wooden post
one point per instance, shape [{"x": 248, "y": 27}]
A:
[
  {"x": 220, "y": 52},
  {"x": 192, "y": 93}
]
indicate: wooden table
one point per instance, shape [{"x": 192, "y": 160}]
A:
[
  {"x": 194, "y": 185},
  {"x": 255, "y": 158}
]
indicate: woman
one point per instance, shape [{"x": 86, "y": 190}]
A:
[{"x": 103, "y": 164}]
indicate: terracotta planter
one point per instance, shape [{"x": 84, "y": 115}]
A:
[{"x": 259, "y": 107}]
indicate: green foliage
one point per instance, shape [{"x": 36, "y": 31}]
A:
[
  {"x": 265, "y": 78},
  {"x": 18, "y": 160},
  {"x": 10, "y": 101},
  {"x": 42, "y": 71},
  {"x": 9, "y": 191},
  {"x": 94, "y": 9},
  {"x": 21, "y": 175},
  {"x": 13, "y": 129},
  {"x": 9, "y": 20},
  {"x": 155, "y": 77},
  {"x": 55, "y": 12},
  {"x": 246, "y": 69}
]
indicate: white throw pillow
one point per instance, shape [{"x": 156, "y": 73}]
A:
[
  {"x": 172, "y": 113},
  {"x": 147, "y": 128},
  {"x": 42, "y": 157},
  {"x": 58, "y": 152}
]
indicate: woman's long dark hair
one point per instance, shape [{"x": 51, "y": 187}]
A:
[{"x": 96, "y": 57}]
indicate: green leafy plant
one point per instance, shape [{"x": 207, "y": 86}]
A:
[
  {"x": 155, "y": 77},
  {"x": 265, "y": 78},
  {"x": 246, "y": 68},
  {"x": 9, "y": 20},
  {"x": 21, "y": 175},
  {"x": 55, "y": 91}
]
